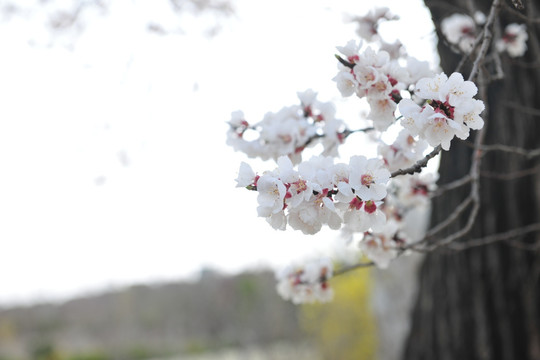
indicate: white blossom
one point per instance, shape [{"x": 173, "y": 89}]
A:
[
  {"x": 381, "y": 247},
  {"x": 286, "y": 132},
  {"x": 368, "y": 177},
  {"x": 246, "y": 176},
  {"x": 382, "y": 111},
  {"x": 459, "y": 30},
  {"x": 450, "y": 109},
  {"x": 307, "y": 283},
  {"x": 403, "y": 152},
  {"x": 369, "y": 23},
  {"x": 417, "y": 70},
  {"x": 514, "y": 40},
  {"x": 271, "y": 195}
]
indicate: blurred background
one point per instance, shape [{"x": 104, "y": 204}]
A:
[{"x": 123, "y": 235}]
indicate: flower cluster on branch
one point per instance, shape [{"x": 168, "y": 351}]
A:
[{"x": 375, "y": 202}]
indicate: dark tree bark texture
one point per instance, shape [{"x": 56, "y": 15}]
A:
[{"x": 484, "y": 302}]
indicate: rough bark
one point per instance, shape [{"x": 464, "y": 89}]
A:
[{"x": 484, "y": 302}]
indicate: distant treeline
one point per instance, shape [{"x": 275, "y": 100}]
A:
[{"x": 147, "y": 321}]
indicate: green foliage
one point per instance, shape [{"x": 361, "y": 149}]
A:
[
  {"x": 88, "y": 356},
  {"x": 195, "y": 348},
  {"x": 45, "y": 351}
]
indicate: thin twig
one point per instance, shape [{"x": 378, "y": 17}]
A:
[
  {"x": 529, "y": 154},
  {"x": 486, "y": 240},
  {"x": 348, "y": 268},
  {"x": 419, "y": 165},
  {"x": 451, "y": 185},
  {"x": 486, "y": 39},
  {"x": 510, "y": 176},
  {"x": 525, "y": 109},
  {"x": 467, "y": 56},
  {"x": 450, "y": 219}
]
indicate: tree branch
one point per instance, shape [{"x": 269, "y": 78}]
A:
[
  {"x": 419, "y": 165},
  {"x": 486, "y": 39},
  {"x": 511, "y": 234}
]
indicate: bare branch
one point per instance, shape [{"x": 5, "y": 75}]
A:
[
  {"x": 520, "y": 15},
  {"x": 449, "y": 220},
  {"x": 344, "y": 62},
  {"x": 508, "y": 235},
  {"x": 486, "y": 39},
  {"x": 451, "y": 185},
  {"x": 529, "y": 154},
  {"x": 525, "y": 109},
  {"x": 467, "y": 56},
  {"x": 349, "y": 268},
  {"x": 512, "y": 175},
  {"x": 419, "y": 164}
]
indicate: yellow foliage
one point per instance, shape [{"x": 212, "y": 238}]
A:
[
  {"x": 7, "y": 330},
  {"x": 345, "y": 328}
]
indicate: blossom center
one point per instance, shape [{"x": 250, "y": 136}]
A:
[
  {"x": 300, "y": 186},
  {"x": 356, "y": 203},
  {"x": 467, "y": 31},
  {"x": 443, "y": 108},
  {"x": 370, "y": 207},
  {"x": 367, "y": 179}
]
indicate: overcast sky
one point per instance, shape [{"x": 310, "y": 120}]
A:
[{"x": 113, "y": 161}]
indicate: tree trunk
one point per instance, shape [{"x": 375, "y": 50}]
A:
[{"x": 484, "y": 302}]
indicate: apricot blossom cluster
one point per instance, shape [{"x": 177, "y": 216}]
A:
[
  {"x": 461, "y": 30},
  {"x": 306, "y": 283},
  {"x": 373, "y": 205},
  {"x": 288, "y": 131},
  {"x": 320, "y": 193},
  {"x": 449, "y": 111}
]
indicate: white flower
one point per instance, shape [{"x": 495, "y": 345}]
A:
[
  {"x": 362, "y": 216},
  {"x": 246, "y": 176},
  {"x": 413, "y": 120},
  {"x": 395, "y": 50},
  {"x": 271, "y": 195},
  {"x": 307, "y": 283},
  {"x": 305, "y": 218},
  {"x": 480, "y": 18},
  {"x": 287, "y": 132},
  {"x": 307, "y": 98},
  {"x": 439, "y": 129},
  {"x": 382, "y": 111},
  {"x": 417, "y": 69},
  {"x": 346, "y": 83},
  {"x": 514, "y": 40},
  {"x": 366, "y": 76},
  {"x": 350, "y": 50},
  {"x": 309, "y": 217},
  {"x": 237, "y": 119},
  {"x": 318, "y": 171},
  {"x": 456, "y": 90},
  {"x": 428, "y": 88},
  {"x": 450, "y": 110},
  {"x": 368, "y": 24},
  {"x": 374, "y": 58},
  {"x": 381, "y": 247},
  {"x": 414, "y": 190},
  {"x": 368, "y": 177},
  {"x": 278, "y": 220},
  {"x": 470, "y": 113},
  {"x": 404, "y": 152},
  {"x": 459, "y": 30}
]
